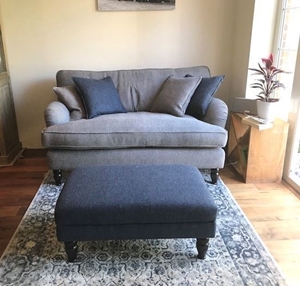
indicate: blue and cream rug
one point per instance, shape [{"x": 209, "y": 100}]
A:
[{"x": 236, "y": 255}]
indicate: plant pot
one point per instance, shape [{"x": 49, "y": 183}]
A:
[{"x": 267, "y": 110}]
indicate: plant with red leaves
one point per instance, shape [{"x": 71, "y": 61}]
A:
[{"x": 267, "y": 84}]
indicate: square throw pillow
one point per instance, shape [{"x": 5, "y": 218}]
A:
[
  {"x": 99, "y": 96},
  {"x": 175, "y": 95},
  {"x": 203, "y": 95},
  {"x": 70, "y": 97}
]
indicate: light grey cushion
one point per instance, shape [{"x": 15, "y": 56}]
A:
[
  {"x": 70, "y": 97},
  {"x": 175, "y": 95},
  {"x": 134, "y": 129}
]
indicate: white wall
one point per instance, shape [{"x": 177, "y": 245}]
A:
[{"x": 43, "y": 36}]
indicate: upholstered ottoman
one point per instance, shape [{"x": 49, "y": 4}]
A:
[{"x": 135, "y": 202}]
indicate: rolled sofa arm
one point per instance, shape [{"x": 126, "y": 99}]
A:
[
  {"x": 56, "y": 113},
  {"x": 217, "y": 113}
]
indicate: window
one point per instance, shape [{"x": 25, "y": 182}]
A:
[
  {"x": 287, "y": 46},
  {"x": 287, "y": 49}
]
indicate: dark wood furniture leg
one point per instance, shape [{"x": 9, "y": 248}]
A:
[
  {"x": 214, "y": 174},
  {"x": 57, "y": 174},
  {"x": 71, "y": 250},
  {"x": 202, "y": 246}
]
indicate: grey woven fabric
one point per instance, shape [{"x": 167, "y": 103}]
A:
[
  {"x": 175, "y": 95},
  {"x": 137, "y": 88},
  {"x": 70, "y": 97},
  {"x": 202, "y": 158},
  {"x": 136, "y": 139},
  {"x": 134, "y": 129},
  {"x": 56, "y": 113}
]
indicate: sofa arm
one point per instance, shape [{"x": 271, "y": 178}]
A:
[
  {"x": 56, "y": 113},
  {"x": 217, "y": 113}
]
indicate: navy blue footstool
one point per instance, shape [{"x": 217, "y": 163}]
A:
[{"x": 135, "y": 202}]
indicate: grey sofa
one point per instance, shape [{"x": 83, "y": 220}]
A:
[{"x": 139, "y": 136}]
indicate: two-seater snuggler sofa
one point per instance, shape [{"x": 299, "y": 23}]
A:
[{"x": 142, "y": 116}]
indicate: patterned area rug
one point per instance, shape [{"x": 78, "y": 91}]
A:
[{"x": 236, "y": 255}]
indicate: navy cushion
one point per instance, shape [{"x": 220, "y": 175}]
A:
[
  {"x": 134, "y": 194},
  {"x": 203, "y": 95},
  {"x": 99, "y": 96}
]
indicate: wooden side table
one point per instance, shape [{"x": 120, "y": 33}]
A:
[{"x": 257, "y": 155}]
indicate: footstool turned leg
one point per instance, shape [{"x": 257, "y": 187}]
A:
[
  {"x": 202, "y": 246},
  {"x": 57, "y": 174},
  {"x": 71, "y": 250}
]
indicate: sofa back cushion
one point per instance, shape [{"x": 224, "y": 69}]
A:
[{"x": 137, "y": 88}]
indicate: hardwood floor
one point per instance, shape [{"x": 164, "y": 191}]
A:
[
  {"x": 273, "y": 209},
  {"x": 18, "y": 185}
]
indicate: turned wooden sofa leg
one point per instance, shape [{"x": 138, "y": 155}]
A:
[
  {"x": 57, "y": 174},
  {"x": 202, "y": 246},
  {"x": 214, "y": 174},
  {"x": 71, "y": 249}
]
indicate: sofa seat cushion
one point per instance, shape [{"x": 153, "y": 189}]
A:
[{"x": 132, "y": 130}]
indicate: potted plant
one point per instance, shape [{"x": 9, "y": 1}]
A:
[{"x": 267, "y": 84}]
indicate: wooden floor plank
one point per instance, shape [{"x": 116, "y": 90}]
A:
[
  {"x": 9, "y": 211},
  {"x": 18, "y": 185},
  {"x": 272, "y": 209}
]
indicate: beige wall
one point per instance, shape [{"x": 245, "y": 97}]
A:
[
  {"x": 43, "y": 36},
  {"x": 263, "y": 37},
  {"x": 242, "y": 43}
]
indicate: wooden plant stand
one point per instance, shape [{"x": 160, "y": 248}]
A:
[{"x": 257, "y": 155}]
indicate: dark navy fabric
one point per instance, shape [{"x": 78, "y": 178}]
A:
[
  {"x": 134, "y": 194},
  {"x": 203, "y": 96},
  {"x": 99, "y": 96},
  {"x": 135, "y": 231}
]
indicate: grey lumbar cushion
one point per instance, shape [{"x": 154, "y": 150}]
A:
[
  {"x": 70, "y": 97},
  {"x": 175, "y": 95},
  {"x": 203, "y": 95},
  {"x": 99, "y": 96}
]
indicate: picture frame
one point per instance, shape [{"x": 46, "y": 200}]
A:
[{"x": 135, "y": 5}]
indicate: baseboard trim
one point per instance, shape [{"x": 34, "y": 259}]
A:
[{"x": 35, "y": 152}]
